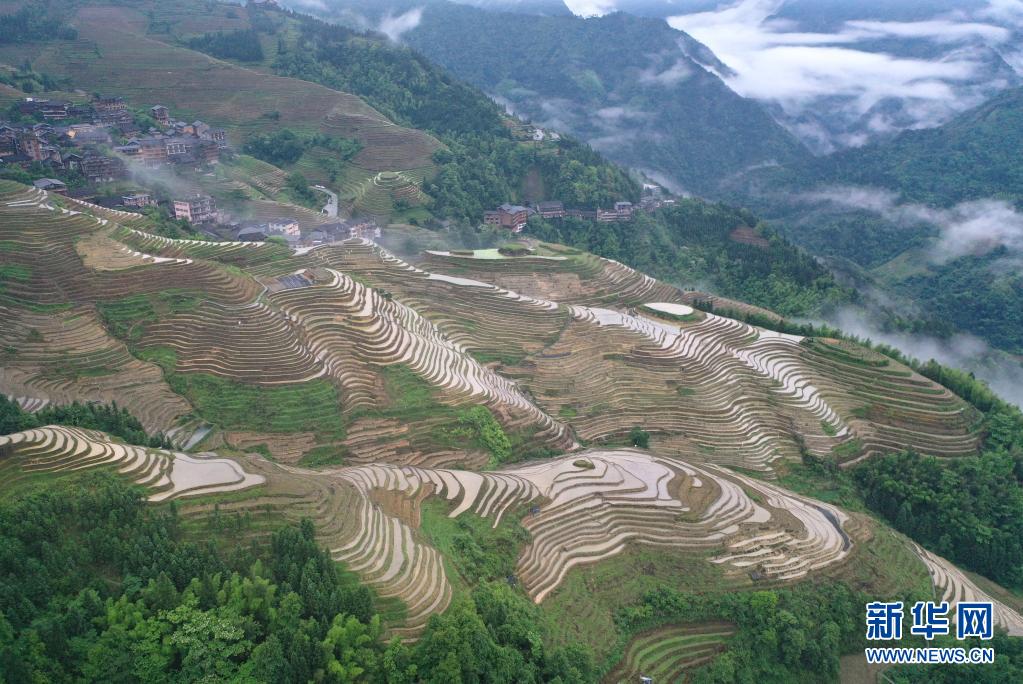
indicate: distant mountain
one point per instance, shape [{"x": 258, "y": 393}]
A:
[
  {"x": 974, "y": 156},
  {"x": 932, "y": 215},
  {"x": 840, "y": 74},
  {"x": 641, "y": 92}
]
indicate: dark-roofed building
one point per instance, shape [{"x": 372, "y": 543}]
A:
[
  {"x": 251, "y": 234},
  {"x": 138, "y": 200},
  {"x": 129, "y": 149},
  {"x": 31, "y": 146},
  {"x": 207, "y": 152},
  {"x": 197, "y": 209},
  {"x": 87, "y": 134},
  {"x": 54, "y": 110},
  {"x": 551, "y": 210},
  {"x": 51, "y": 185},
  {"x": 511, "y": 216},
  {"x": 160, "y": 114},
  {"x": 109, "y": 108},
  {"x": 153, "y": 151},
  {"x": 99, "y": 168},
  {"x": 215, "y": 135}
]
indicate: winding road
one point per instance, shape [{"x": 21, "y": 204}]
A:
[{"x": 330, "y": 208}]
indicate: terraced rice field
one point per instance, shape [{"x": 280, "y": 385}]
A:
[
  {"x": 710, "y": 389},
  {"x": 666, "y": 653},
  {"x": 167, "y": 474},
  {"x": 341, "y": 337},
  {"x": 586, "y": 514},
  {"x": 375, "y": 194},
  {"x": 277, "y": 336},
  {"x": 952, "y": 585},
  {"x": 581, "y": 515}
]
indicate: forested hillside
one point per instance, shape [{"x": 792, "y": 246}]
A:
[
  {"x": 932, "y": 215},
  {"x": 695, "y": 242},
  {"x": 975, "y": 156},
  {"x": 639, "y": 91},
  {"x": 484, "y": 165}
]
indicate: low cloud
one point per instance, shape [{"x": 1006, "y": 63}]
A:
[
  {"x": 394, "y": 26},
  {"x": 1000, "y": 371},
  {"x": 976, "y": 227},
  {"x": 590, "y": 8},
  {"x": 618, "y": 114},
  {"x": 1007, "y": 11},
  {"x": 939, "y": 30},
  {"x": 676, "y": 73},
  {"x": 774, "y": 60}
]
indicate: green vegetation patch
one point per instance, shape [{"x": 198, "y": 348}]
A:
[
  {"x": 14, "y": 272},
  {"x": 312, "y": 406},
  {"x": 323, "y": 455},
  {"x": 476, "y": 550},
  {"x": 583, "y": 608},
  {"x": 127, "y": 318}
]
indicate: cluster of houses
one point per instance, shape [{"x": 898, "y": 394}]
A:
[
  {"x": 63, "y": 148},
  {"x": 291, "y": 231},
  {"x": 201, "y": 210},
  {"x": 95, "y": 139},
  {"x": 175, "y": 142},
  {"x": 514, "y": 217}
]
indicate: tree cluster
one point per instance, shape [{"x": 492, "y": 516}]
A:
[
  {"x": 111, "y": 419},
  {"x": 96, "y": 586},
  {"x": 33, "y": 23},
  {"x": 691, "y": 243},
  {"x": 241, "y": 45},
  {"x": 782, "y": 635}
]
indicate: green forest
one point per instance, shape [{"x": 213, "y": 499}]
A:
[
  {"x": 633, "y": 82},
  {"x": 34, "y": 22},
  {"x": 483, "y": 166},
  {"x": 243, "y": 46},
  {"x": 973, "y": 158},
  {"x": 689, "y": 244},
  {"x": 91, "y": 416}
]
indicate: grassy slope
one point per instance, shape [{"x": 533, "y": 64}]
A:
[{"x": 115, "y": 55}]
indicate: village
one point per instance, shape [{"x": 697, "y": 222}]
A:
[
  {"x": 83, "y": 148},
  {"x": 515, "y": 217}
]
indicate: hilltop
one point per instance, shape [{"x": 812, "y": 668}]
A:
[{"x": 430, "y": 151}]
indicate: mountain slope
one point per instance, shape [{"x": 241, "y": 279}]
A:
[
  {"x": 114, "y": 55},
  {"x": 447, "y": 400},
  {"x": 637, "y": 90},
  {"x": 932, "y": 215},
  {"x": 974, "y": 156}
]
